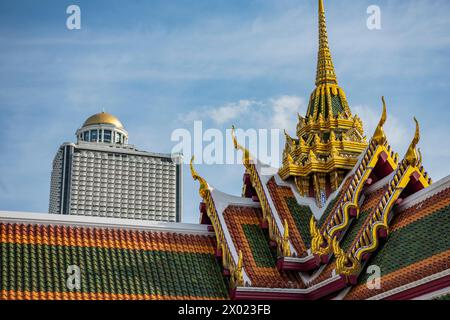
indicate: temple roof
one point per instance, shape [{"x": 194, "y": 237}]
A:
[
  {"x": 278, "y": 244},
  {"x": 116, "y": 261}
]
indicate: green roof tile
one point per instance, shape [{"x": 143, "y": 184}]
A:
[
  {"x": 415, "y": 242},
  {"x": 259, "y": 246},
  {"x": 302, "y": 216},
  {"x": 42, "y": 268}
]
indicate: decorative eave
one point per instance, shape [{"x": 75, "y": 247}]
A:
[
  {"x": 305, "y": 127},
  {"x": 325, "y": 241},
  {"x": 434, "y": 285},
  {"x": 315, "y": 292},
  {"x": 231, "y": 259},
  {"x": 293, "y": 170},
  {"x": 344, "y": 146},
  {"x": 272, "y": 220}
]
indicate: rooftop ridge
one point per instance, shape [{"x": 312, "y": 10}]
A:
[
  {"x": 426, "y": 193},
  {"x": 101, "y": 222}
]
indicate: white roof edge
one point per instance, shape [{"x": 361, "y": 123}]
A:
[
  {"x": 380, "y": 183},
  {"x": 222, "y": 202},
  {"x": 230, "y": 200},
  {"x": 435, "y": 294},
  {"x": 411, "y": 285},
  {"x": 101, "y": 222},
  {"x": 299, "y": 260},
  {"x": 426, "y": 193},
  {"x": 292, "y": 291},
  {"x": 304, "y": 201}
]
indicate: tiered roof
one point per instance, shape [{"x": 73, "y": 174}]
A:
[
  {"x": 383, "y": 212},
  {"x": 381, "y": 215}
]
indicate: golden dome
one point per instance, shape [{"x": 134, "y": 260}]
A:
[{"x": 103, "y": 118}]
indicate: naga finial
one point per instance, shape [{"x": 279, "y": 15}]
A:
[
  {"x": 286, "y": 246},
  {"x": 246, "y": 158},
  {"x": 412, "y": 157},
  {"x": 345, "y": 264},
  {"x": 379, "y": 135},
  {"x": 204, "y": 187}
]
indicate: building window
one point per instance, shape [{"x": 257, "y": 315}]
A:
[
  {"x": 118, "y": 137},
  {"x": 86, "y": 136},
  {"x": 107, "y": 137},
  {"x": 100, "y": 133},
  {"x": 94, "y": 134}
]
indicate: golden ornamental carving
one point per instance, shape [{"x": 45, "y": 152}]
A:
[
  {"x": 412, "y": 157},
  {"x": 238, "y": 274},
  {"x": 204, "y": 187},
  {"x": 379, "y": 135},
  {"x": 246, "y": 158},
  {"x": 346, "y": 264},
  {"x": 321, "y": 244},
  {"x": 286, "y": 246}
]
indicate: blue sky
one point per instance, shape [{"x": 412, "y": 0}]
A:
[{"x": 159, "y": 65}]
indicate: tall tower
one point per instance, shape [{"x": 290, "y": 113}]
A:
[
  {"x": 102, "y": 175},
  {"x": 329, "y": 138}
]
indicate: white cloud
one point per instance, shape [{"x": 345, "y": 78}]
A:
[
  {"x": 285, "y": 110},
  {"x": 230, "y": 111},
  {"x": 398, "y": 134},
  {"x": 276, "y": 113},
  {"x": 222, "y": 114}
]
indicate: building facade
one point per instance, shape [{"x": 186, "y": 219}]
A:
[{"x": 102, "y": 175}]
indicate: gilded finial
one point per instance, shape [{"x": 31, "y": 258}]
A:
[
  {"x": 379, "y": 136},
  {"x": 204, "y": 187},
  {"x": 412, "y": 156},
  {"x": 246, "y": 158}
]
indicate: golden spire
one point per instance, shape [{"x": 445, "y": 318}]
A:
[{"x": 325, "y": 67}]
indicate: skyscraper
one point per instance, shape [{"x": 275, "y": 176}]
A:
[{"x": 102, "y": 175}]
